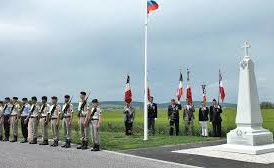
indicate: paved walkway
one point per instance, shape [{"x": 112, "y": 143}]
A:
[
  {"x": 192, "y": 156},
  {"x": 16, "y": 155}
]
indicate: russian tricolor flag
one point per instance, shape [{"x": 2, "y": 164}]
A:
[{"x": 151, "y": 5}]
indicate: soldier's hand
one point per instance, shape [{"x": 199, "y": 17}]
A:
[
  {"x": 25, "y": 121},
  {"x": 57, "y": 124},
  {"x": 98, "y": 126},
  {"x": 155, "y": 118}
]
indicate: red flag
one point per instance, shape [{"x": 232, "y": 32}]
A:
[
  {"x": 188, "y": 88},
  {"x": 204, "y": 92},
  {"x": 221, "y": 87},
  {"x": 180, "y": 91},
  {"x": 128, "y": 94}
]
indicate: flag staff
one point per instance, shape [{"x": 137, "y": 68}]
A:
[{"x": 145, "y": 80}]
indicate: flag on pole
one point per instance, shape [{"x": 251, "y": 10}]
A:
[
  {"x": 128, "y": 94},
  {"x": 221, "y": 87},
  {"x": 148, "y": 91},
  {"x": 204, "y": 92},
  {"x": 180, "y": 91},
  {"x": 151, "y": 5},
  {"x": 188, "y": 88}
]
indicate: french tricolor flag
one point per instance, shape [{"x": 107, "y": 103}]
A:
[
  {"x": 151, "y": 5},
  {"x": 180, "y": 91},
  {"x": 221, "y": 87},
  {"x": 128, "y": 93}
]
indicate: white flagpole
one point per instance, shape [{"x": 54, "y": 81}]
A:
[{"x": 145, "y": 80}]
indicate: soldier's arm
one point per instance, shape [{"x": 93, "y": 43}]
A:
[
  {"x": 168, "y": 113},
  {"x": 71, "y": 112},
  {"x": 179, "y": 106},
  {"x": 156, "y": 111}
]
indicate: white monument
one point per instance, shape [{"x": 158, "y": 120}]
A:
[{"x": 249, "y": 137}]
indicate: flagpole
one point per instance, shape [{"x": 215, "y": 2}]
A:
[
  {"x": 145, "y": 80},
  {"x": 219, "y": 88}
]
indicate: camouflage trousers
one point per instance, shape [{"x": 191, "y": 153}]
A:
[{"x": 14, "y": 125}]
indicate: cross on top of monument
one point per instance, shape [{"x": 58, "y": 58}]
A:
[{"x": 246, "y": 46}]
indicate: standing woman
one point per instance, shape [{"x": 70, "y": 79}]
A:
[{"x": 203, "y": 119}]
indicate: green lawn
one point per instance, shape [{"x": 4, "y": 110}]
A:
[{"x": 113, "y": 138}]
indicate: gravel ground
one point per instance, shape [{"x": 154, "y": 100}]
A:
[{"x": 16, "y": 155}]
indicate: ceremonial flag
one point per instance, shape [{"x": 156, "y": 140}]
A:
[
  {"x": 188, "y": 88},
  {"x": 151, "y": 5},
  {"x": 148, "y": 91},
  {"x": 204, "y": 92},
  {"x": 180, "y": 91},
  {"x": 221, "y": 87},
  {"x": 128, "y": 94}
]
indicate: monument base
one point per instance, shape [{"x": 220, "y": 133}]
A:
[
  {"x": 245, "y": 149},
  {"x": 250, "y": 136}
]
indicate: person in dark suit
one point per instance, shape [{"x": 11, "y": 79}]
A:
[
  {"x": 152, "y": 115},
  {"x": 215, "y": 118},
  {"x": 203, "y": 119},
  {"x": 173, "y": 117}
]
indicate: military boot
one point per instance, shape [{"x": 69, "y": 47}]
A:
[
  {"x": 65, "y": 144},
  {"x": 14, "y": 139},
  {"x": 1, "y": 138},
  {"x": 34, "y": 141},
  {"x": 85, "y": 146},
  {"x": 55, "y": 143},
  {"x": 68, "y": 144},
  {"x": 96, "y": 147},
  {"x": 45, "y": 142},
  {"x": 80, "y": 146}
]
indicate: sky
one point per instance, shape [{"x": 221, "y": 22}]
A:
[{"x": 50, "y": 47}]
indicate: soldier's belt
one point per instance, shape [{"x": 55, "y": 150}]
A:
[
  {"x": 54, "y": 118},
  {"x": 43, "y": 116},
  {"x": 67, "y": 116},
  {"x": 94, "y": 119},
  {"x": 13, "y": 115},
  {"x": 33, "y": 116}
]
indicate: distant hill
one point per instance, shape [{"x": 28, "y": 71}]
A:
[{"x": 139, "y": 105}]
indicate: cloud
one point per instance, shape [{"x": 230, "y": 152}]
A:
[{"x": 51, "y": 47}]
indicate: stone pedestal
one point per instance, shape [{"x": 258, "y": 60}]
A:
[{"x": 249, "y": 136}]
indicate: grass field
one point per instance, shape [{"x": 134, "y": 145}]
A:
[{"x": 113, "y": 138}]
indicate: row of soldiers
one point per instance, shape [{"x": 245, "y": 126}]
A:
[
  {"x": 206, "y": 115},
  {"x": 11, "y": 112}
]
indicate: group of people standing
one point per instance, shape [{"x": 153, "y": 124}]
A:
[
  {"x": 46, "y": 115},
  {"x": 206, "y": 115},
  {"x": 210, "y": 114}
]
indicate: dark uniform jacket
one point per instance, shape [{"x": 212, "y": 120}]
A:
[
  {"x": 203, "y": 114},
  {"x": 173, "y": 111},
  {"x": 215, "y": 114},
  {"x": 152, "y": 110}
]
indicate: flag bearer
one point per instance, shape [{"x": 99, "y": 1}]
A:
[
  {"x": 203, "y": 119},
  {"x": 67, "y": 113},
  {"x": 152, "y": 115},
  {"x": 34, "y": 116},
  {"x": 15, "y": 114},
  {"x": 55, "y": 111},
  {"x": 129, "y": 115},
  {"x": 44, "y": 120},
  {"x": 215, "y": 118},
  {"x": 94, "y": 120},
  {"x": 189, "y": 117},
  {"x": 83, "y": 108},
  {"x": 173, "y": 117}
]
